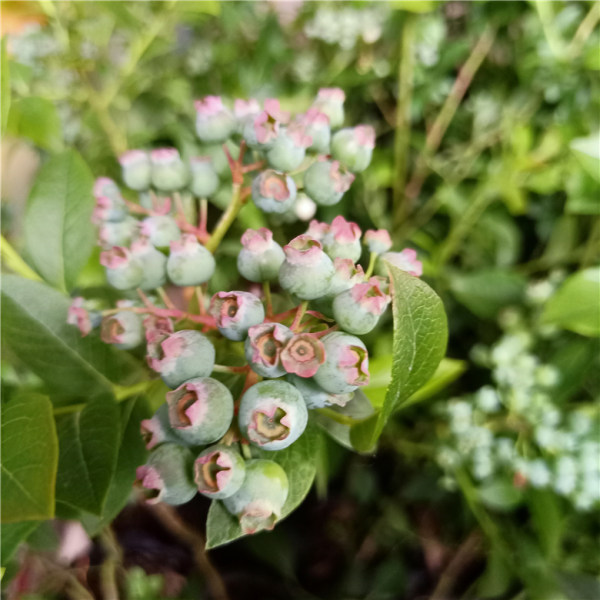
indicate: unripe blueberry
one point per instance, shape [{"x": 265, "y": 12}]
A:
[
  {"x": 123, "y": 329},
  {"x": 315, "y": 396},
  {"x": 343, "y": 240},
  {"x": 154, "y": 264},
  {"x": 405, "y": 260},
  {"x": 273, "y": 192},
  {"x": 200, "y": 410},
  {"x": 180, "y": 356},
  {"x": 316, "y": 125},
  {"x": 346, "y": 364},
  {"x": 167, "y": 475},
  {"x": 122, "y": 270},
  {"x": 306, "y": 270},
  {"x": 160, "y": 230},
  {"x": 303, "y": 355},
  {"x": 106, "y": 187},
  {"x": 259, "y": 502},
  {"x": 304, "y": 207},
  {"x": 245, "y": 111},
  {"x": 353, "y": 147},
  {"x": 219, "y": 158},
  {"x": 317, "y": 230},
  {"x": 214, "y": 122},
  {"x": 136, "y": 169},
  {"x": 263, "y": 348},
  {"x": 261, "y": 132},
  {"x": 82, "y": 315},
  {"x": 205, "y": 180},
  {"x": 260, "y": 257},
  {"x": 377, "y": 241},
  {"x": 158, "y": 205},
  {"x": 358, "y": 309},
  {"x": 325, "y": 181},
  {"x": 117, "y": 234},
  {"x": 272, "y": 414},
  {"x": 189, "y": 262},
  {"x": 289, "y": 148},
  {"x": 109, "y": 209},
  {"x": 169, "y": 172},
  {"x": 346, "y": 275},
  {"x": 157, "y": 429},
  {"x": 219, "y": 472},
  {"x": 331, "y": 102},
  {"x": 235, "y": 313}
]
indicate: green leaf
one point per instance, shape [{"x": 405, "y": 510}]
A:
[
  {"x": 587, "y": 152},
  {"x": 576, "y": 304},
  {"x": 499, "y": 494},
  {"x": 419, "y": 343},
  {"x": 4, "y": 87},
  {"x": 132, "y": 454},
  {"x": 414, "y": 6},
  {"x": 448, "y": 371},
  {"x": 89, "y": 444},
  {"x": 299, "y": 463},
  {"x": 29, "y": 457},
  {"x": 35, "y": 329},
  {"x": 358, "y": 409},
  {"x": 486, "y": 291},
  {"x": 547, "y": 521},
  {"x": 59, "y": 234},
  {"x": 36, "y": 119},
  {"x": 12, "y": 535}
]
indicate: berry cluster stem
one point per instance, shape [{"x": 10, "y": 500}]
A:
[
  {"x": 371, "y": 267},
  {"x": 268, "y": 299},
  {"x": 299, "y": 314}
]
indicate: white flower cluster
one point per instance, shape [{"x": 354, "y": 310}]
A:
[
  {"x": 346, "y": 26},
  {"x": 515, "y": 431}
]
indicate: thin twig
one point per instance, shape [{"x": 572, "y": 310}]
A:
[
  {"x": 446, "y": 114},
  {"x": 464, "y": 556},
  {"x": 168, "y": 516}
]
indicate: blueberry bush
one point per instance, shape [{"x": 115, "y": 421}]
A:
[{"x": 300, "y": 300}]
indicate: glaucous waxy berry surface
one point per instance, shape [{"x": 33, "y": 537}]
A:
[{"x": 248, "y": 366}]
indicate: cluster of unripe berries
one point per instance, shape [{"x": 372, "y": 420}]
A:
[{"x": 301, "y": 359}]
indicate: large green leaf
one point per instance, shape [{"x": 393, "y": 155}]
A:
[
  {"x": 419, "y": 343},
  {"x": 29, "y": 459},
  {"x": 89, "y": 444},
  {"x": 576, "y": 304},
  {"x": 35, "y": 329},
  {"x": 58, "y": 231},
  {"x": 132, "y": 454},
  {"x": 4, "y": 87},
  {"x": 36, "y": 119},
  {"x": 486, "y": 291},
  {"x": 299, "y": 463}
]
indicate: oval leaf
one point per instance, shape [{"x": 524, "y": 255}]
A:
[
  {"x": 576, "y": 304},
  {"x": 89, "y": 444},
  {"x": 29, "y": 459},
  {"x": 419, "y": 343},
  {"x": 35, "y": 329},
  {"x": 132, "y": 454},
  {"x": 59, "y": 234}
]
